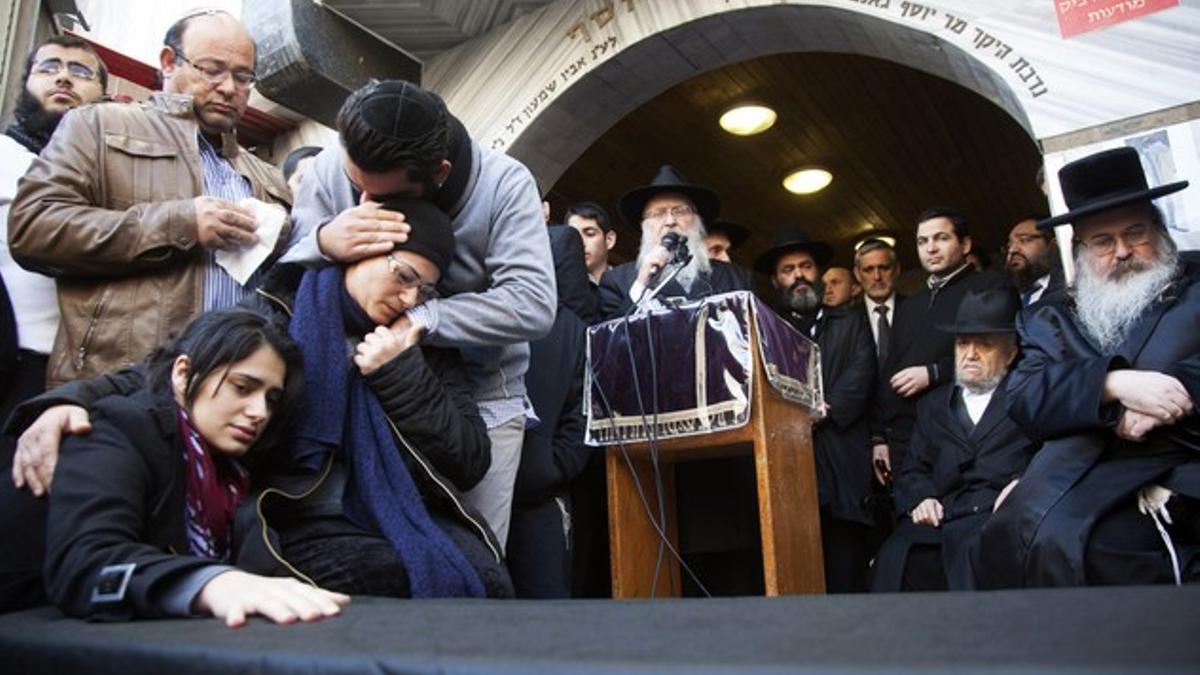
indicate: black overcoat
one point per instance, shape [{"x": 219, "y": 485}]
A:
[
  {"x": 1039, "y": 536},
  {"x": 964, "y": 468},
  {"x": 841, "y": 442}
]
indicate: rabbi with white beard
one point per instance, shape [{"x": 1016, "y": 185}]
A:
[
  {"x": 668, "y": 204},
  {"x": 1110, "y": 380}
]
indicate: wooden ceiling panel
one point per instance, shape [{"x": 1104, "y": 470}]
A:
[{"x": 896, "y": 139}]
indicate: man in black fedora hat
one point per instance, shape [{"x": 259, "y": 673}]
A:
[
  {"x": 841, "y": 439},
  {"x": 920, "y": 357},
  {"x": 1109, "y": 380},
  {"x": 723, "y": 236},
  {"x": 669, "y": 204},
  {"x": 965, "y": 450}
]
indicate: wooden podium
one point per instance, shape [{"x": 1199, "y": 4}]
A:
[{"x": 779, "y": 436}]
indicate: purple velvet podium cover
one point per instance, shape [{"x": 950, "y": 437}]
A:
[{"x": 698, "y": 354}]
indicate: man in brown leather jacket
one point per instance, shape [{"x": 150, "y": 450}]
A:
[{"x": 128, "y": 203}]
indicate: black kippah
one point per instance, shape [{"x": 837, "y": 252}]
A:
[
  {"x": 402, "y": 110},
  {"x": 430, "y": 234}
]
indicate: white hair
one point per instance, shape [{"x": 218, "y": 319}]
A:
[{"x": 1109, "y": 303}]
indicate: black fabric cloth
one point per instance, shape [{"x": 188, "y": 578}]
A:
[
  {"x": 22, "y": 516},
  {"x": 1040, "y": 534},
  {"x": 8, "y": 340},
  {"x": 962, "y": 464},
  {"x": 118, "y": 498},
  {"x": 539, "y": 555},
  {"x": 616, "y": 282},
  {"x": 553, "y": 453},
  {"x": 1131, "y": 630},
  {"x": 32, "y": 142},
  {"x": 844, "y": 549},
  {"x": 918, "y": 342}
]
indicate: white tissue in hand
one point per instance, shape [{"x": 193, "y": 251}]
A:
[{"x": 268, "y": 220}]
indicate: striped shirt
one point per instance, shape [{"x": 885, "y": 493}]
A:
[{"x": 222, "y": 181}]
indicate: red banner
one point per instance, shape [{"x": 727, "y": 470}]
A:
[{"x": 1082, "y": 16}]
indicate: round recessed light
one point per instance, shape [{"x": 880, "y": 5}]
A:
[
  {"x": 747, "y": 119},
  {"x": 807, "y": 180}
]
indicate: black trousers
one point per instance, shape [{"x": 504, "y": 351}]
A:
[
  {"x": 22, "y": 516},
  {"x": 538, "y": 558}
]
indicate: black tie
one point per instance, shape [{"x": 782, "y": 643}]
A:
[{"x": 884, "y": 341}]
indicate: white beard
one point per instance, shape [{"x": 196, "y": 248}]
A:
[
  {"x": 1108, "y": 308},
  {"x": 699, "y": 265}
]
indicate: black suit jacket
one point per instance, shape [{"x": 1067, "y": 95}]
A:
[
  {"x": 615, "y": 285},
  {"x": 963, "y": 466}
]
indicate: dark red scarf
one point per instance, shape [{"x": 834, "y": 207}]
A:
[{"x": 216, "y": 485}]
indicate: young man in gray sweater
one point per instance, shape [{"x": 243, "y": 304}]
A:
[{"x": 498, "y": 293}]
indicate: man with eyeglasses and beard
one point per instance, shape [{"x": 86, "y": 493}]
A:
[
  {"x": 669, "y": 204},
  {"x": 1032, "y": 261},
  {"x": 128, "y": 204},
  {"x": 841, "y": 439},
  {"x": 61, "y": 74},
  {"x": 1110, "y": 380}
]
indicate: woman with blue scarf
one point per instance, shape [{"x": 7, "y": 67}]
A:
[{"x": 369, "y": 498}]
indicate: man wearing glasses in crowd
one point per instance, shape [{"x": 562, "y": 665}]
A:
[
  {"x": 62, "y": 73},
  {"x": 1031, "y": 259},
  {"x": 127, "y": 203}
]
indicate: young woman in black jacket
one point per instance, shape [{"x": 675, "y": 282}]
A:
[{"x": 141, "y": 517}]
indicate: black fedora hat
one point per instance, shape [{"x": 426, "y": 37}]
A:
[
  {"x": 738, "y": 234},
  {"x": 668, "y": 179},
  {"x": 1104, "y": 181},
  {"x": 787, "y": 240},
  {"x": 989, "y": 311}
]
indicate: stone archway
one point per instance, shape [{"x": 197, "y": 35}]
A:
[{"x": 576, "y": 118}]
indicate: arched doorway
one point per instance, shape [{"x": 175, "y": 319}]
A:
[{"x": 904, "y": 120}]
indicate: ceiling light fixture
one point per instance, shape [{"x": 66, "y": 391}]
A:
[
  {"x": 747, "y": 119},
  {"x": 807, "y": 180}
]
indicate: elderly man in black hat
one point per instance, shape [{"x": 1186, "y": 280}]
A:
[
  {"x": 841, "y": 439},
  {"x": 399, "y": 140},
  {"x": 1110, "y": 380},
  {"x": 965, "y": 451},
  {"x": 669, "y": 205}
]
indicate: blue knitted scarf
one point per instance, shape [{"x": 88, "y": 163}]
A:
[{"x": 341, "y": 413}]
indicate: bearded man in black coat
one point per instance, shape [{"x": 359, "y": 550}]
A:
[
  {"x": 841, "y": 438},
  {"x": 1110, "y": 379},
  {"x": 669, "y": 204},
  {"x": 964, "y": 452}
]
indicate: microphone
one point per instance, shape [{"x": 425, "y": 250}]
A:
[{"x": 671, "y": 242}]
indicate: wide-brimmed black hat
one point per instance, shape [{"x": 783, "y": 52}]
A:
[
  {"x": 737, "y": 234},
  {"x": 787, "y": 240},
  {"x": 989, "y": 311},
  {"x": 1104, "y": 181},
  {"x": 668, "y": 179}
]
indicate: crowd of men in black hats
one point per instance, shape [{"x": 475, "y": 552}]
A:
[
  {"x": 989, "y": 430},
  {"x": 980, "y": 389}
]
